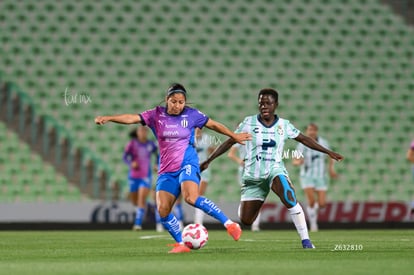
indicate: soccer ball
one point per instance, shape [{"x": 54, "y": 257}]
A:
[{"x": 195, "y": 236}]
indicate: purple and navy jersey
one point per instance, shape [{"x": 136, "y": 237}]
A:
[
  {"x": 175, "y": 135},
  {"x": 140, "y": 153},
  {"x": 412, "y": 145}
]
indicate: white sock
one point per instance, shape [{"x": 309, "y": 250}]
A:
[
  {"x": 228, "y": 222},
  {"x": 256, "y": 223},
  {"x": 298, "y": 218},
  {"x": 313, "y": 214},
  {"x": 198, "y": 216}
]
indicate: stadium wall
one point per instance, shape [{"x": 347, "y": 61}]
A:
[{"x": 120, "y": 215}]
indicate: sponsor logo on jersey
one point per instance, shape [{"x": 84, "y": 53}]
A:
[
  {"x": 263, "y": 131},
  {"x": 268, "y": 143},
  {"x": 170, "y": 133}
]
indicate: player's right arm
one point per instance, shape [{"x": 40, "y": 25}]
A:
[{"x": 122, "y": 119}]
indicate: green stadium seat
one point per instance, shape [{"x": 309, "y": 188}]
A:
[{"x": 341, "y": 64}]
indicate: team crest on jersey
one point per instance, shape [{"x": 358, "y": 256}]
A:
[
  {"x": 280, "y": 130},
  {"x": 184, "y": 123}
]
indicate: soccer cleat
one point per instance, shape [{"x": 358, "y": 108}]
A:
[
  {"x": 306, "y": 243},
  {"x": 179, "y": 248},
  {"x": 137, "y": 227},
  {"x": 234, "y": 231}
]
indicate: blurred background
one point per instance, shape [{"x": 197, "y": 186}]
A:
[{"x": 347, "y": 66}]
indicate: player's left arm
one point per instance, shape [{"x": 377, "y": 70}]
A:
[
  {"x": 220, "y": 128},
  {"x": 211, "y": 149},
  {"x": 311, "y": 143}
]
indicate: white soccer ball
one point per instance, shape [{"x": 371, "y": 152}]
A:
[{"x": 195, "y": 236}]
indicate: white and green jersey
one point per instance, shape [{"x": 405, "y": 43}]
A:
[
  {"x": 314, "y": 165},
  {"x": 264, "y": 153}
]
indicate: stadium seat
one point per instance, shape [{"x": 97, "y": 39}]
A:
[{"x": 344, "y": 65}]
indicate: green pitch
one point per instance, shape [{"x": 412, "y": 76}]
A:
[{"x": 266, "y": 252}]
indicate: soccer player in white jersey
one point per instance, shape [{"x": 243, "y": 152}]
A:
[
  {"x": 313, "y": 174},
  {"x": 264, "y": 169}
]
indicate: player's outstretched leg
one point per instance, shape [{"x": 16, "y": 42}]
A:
[
  {"x": 210, "y": 208},
  {"x": 298, "y": 218},
  {"x": 171, "y": 224},
  {"x": 282, "y": 187}
]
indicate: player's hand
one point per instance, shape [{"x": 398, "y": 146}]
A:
[
  {"x": 240, "y": 137},
  {"x": 336, "y": 156},
  {"x": 101, "y": 120},
  {"x": 203, "y": 166}
]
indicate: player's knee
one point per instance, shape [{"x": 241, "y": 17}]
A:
[
  {"x": 190, "y": 199},
  {"x": 163, "y": 210}
]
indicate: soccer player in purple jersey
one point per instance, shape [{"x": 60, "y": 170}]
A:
[
  {"x": 137, "y": 155},
  {"x": 179, "y": 170}
]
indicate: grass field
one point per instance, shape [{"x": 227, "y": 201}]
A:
[{"x": 266, "y": 252}]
